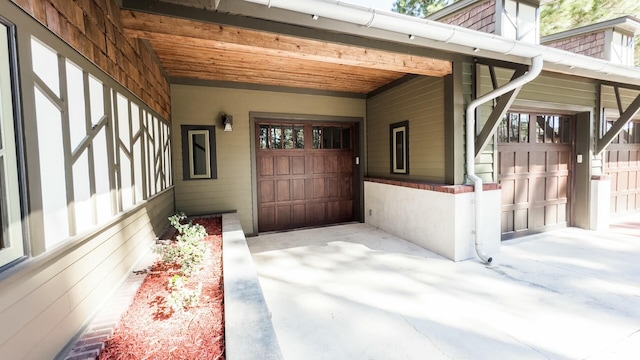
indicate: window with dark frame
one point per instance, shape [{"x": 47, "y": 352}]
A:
[
  {"x": 399, "y": 147},
  {"x": 526, "y": 128},
  {"x": 198, "y": 152}
]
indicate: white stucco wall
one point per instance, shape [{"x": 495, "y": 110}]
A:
[{"x": 439, "y": 222}]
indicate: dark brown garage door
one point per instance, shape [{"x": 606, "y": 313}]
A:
[
  {"x": 534, "y": 170},
  {"x": 623, "y": 166},
  {"x": 305, "y": 174}
]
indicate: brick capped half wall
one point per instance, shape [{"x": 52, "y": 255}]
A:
[{"x": 94, "y": 28}]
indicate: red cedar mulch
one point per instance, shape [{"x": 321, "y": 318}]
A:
[{"x": 146, "y": 332}]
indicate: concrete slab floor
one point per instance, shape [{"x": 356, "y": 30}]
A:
[{"x": 355, "y": 292}]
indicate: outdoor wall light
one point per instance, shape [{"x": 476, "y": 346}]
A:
[{"x": 227, "y": 121}]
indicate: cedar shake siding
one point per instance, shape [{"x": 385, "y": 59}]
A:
[
  {"x": 94, "y": 28},
  {"x": 481, "y": 17},
  {"x": 586, "y": 44}
]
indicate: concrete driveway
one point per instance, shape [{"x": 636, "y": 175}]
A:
[{"x": 355, "y": 292}]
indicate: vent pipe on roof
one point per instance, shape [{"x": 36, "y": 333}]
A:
[{"x": 534, "y": 71}]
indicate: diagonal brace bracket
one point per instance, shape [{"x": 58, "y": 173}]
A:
[
  {"x": 627, "y": 115},
  {"x": 502, "y": 105}
]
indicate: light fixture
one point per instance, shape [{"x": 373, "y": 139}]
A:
[
  {"x": 475, "y": 50},
  {"x": 411, "y": 36},
  {"x": 227, "y": 121},
  {"x": 315, "y": 17},
  {"x": 571, "y": 67}
]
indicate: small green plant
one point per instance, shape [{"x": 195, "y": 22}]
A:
[
  {"x": 180, "y": 297},
  {"x": 188, "y": 250}
]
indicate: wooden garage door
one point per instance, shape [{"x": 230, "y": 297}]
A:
[
  {"x": 623, "y": 166},
  {"x": 534, "y": 170},
  {"x": 305, "y": 174}
]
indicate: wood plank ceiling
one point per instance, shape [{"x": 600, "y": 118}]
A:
[{"x": 199, "y": 50}]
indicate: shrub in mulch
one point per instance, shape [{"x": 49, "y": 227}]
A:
[{"x": 151, "y": 329}]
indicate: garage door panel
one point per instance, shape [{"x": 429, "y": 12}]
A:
[
  {"x": 521, "y": 219},
  {"x": 522, "y": 191},
  {"x": 299, "y": 215},
  {"x": 536, "y": 184},
  {"x": 284, "y": 215},
  {"x": 309, "y": 183},
  {"x": 552, "y": 161},
  {"x": 298, "y": 165},
  {"x": 282, "y": 165},
  {"x": 267, "y": 191},
  {"x": 331, "y": 187},
  {"x": 318, "y": 164},
  {"x": 551, "y": 188},
  {"x": 507, "y": 162},
  {"x": 284, "y": 190},
  {"x": 265, "y": 166},
  {"x": 331, "y": 164},
  {"x": 319, "y": 188},
  {"x": 346, "y": 187},
  {"x": 521, "y": 162},
  {"x": 267, "y": 217},
  {"x": 538, "y": 161},
  {"x": 298, "y": 189},
  {"x": 508, "y": 192}
]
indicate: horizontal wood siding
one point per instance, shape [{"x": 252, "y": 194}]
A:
[
  {"x": 49, "y": 298},
  {"x": 421, "y": 101},
  {"x": 232, "y": 190}
]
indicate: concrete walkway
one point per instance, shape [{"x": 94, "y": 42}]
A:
[{"x": 354, "y": 292}]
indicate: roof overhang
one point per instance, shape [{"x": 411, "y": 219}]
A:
[{"x": 388, "y": 26}]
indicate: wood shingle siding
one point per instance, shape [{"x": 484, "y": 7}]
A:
[
  {"x": 421, "y": 101},
  {"x": 43, "y": 306},
  {"x": 94, "y": 28}
]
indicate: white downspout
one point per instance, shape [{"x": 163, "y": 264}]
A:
[{"x": 534, "y": 71}]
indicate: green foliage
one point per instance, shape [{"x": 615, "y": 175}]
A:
[
  {"x": 188, "y": 250},
  {"x": 180, "y": 297},
  {"x": 420, "y": 8},
  {"x": 561, "y": 15}
]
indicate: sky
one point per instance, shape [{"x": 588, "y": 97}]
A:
[{"x": 376, "y": 4}]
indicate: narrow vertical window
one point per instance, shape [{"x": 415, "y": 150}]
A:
[
  {"x": 11, "y": 239},
  {"x": 198, "y": 152},
  {"x": 399, "y": 133}
]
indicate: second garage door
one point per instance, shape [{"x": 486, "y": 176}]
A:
[
  {"x": 534, "y": 170},
  {"x": 305, "y": 174},
  {"x": 623, "y": 165}
]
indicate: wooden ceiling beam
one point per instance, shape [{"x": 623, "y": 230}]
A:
[{"x": 190, "y": 32}]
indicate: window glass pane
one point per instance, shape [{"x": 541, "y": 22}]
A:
[
  {"x": 503, "y": 129},
  {"x": 524, "y": 128},
  {"x": 346, "y": 138},
  {"x": 299, "y": 137},
  {"x": 514, "y": 129},
  {"x": 636, "y": 132},
  {"x": 565, "y": 130},
  {"x": 540, "y": 127},
  {"x": 199, "y": 153},
  {"x": 336, "y": 138},
  {"x": 276, "y": 137},
  {"x": 288, "y": 137},
  {"x": 264, "y": 136},
  {"x": 317, "y": 137},
  {"x": 399, "y": 152},
  {"x": 609, "y": 126},
  {"x": 326, "y": 138},
  {"x": 509, "y": 19}
]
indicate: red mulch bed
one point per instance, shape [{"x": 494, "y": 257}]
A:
[{"x": 146, "y": 331}]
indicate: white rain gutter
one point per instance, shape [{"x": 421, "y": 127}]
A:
[
  {"x": 450, "y": 34},
  {"x": 534, "y": 71}
]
